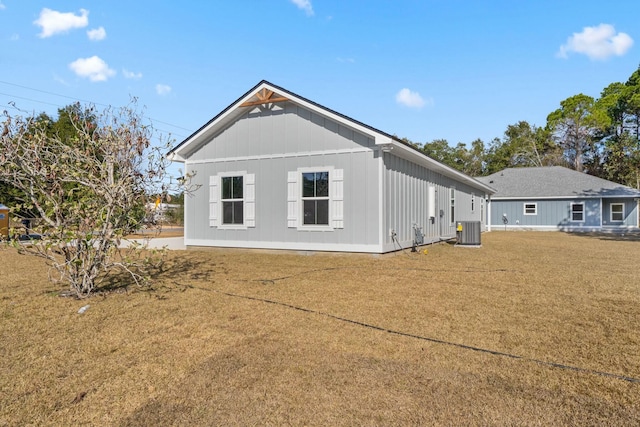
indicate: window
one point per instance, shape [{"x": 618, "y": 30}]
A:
[
  {"x": 452, "y": 198},
  {"x": 617, "y": 212},
  {"x": 473, "y": 203},
  {"x": 315, "y": 198},
  {"x": 577, "y": 212},
  {"x": 531, "y": 209},
  {"x": 232, "y": 200}
]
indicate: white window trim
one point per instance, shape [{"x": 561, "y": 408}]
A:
[
  {"x": 473, "y": 202},
  {"x": 215, "y": 201},
  {"x": 295, "y": 201},
  {"x": 611, "y": 212},
  {"x": 524, "y": 208},
  {"x": 584, "y": 214}
]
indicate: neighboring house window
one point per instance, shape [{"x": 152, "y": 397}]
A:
[
  {"x": 577, "y": 212},
  {"x": 232, "y": 200},
  {"x": 315, "y": 199},
  {"x": 452, "y": 198},
  {"x": 617, "y": 212},
  {"x": 531, "y": 209}
]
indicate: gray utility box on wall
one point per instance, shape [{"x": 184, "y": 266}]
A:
[{"x": 468, "y": 232}]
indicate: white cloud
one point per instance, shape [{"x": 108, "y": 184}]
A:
[
  {"x": 304, "y": 5},
  {"x": 163, "y": 89},
  {"x": 2, "y": 7},
  {"x": 411, "y": 99},
  {"x": 14, "y": 37},
  {"x": 94, "y": 68},
  {"x": 97, "y": 34},
  {"x": 349, "y": 60},
  {"x": 597, "y": 43},
  {"x": 54, "y": 22},
  {"x": 131, "y": 75}
]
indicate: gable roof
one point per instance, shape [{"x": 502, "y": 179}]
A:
[
  {"x": 266, "y": 92},
  {"x": 552, "y": 182}
]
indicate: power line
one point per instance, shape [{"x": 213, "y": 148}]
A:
[{"x": 76, "y": 99}]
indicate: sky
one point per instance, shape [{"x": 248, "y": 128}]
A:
[{"x": 424, "y": 70}]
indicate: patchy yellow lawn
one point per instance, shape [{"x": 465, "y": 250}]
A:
[{"x": 530, "y": 329}]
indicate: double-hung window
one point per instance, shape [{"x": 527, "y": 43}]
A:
[
  {"x": 232, "y": 200},
  {"x": 617, "y": 212},
  {"x": 315, "y": 198},
  {"x": 577, "y": 212}
]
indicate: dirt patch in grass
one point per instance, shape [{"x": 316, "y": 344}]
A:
[{"x": 530, "y": 329}]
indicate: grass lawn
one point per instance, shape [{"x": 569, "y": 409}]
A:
[{"x": 531, "y": 329}]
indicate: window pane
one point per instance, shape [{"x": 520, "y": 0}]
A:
[
  {"x": 309, "y": 212},
  {"x": 322, "y": 212},
  {"x": 238, "y": 215},
  {"x": 316, "y": 212},
  {"x": 227, "y": 212},
  {"x": 617, "y": 212},
  {"x": 226, "y": 187},
  {"x": 308, "y": 185},
  {"x": 237, "y": 187},
  {"x": 577, "y": 212},
  {"x": 322, "y": 184},
  {"x": 232, "y": 212}
]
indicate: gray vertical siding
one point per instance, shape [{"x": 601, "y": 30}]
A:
[
  {"x": 551, "y": 214},
  {"x": 406, "y": 188},
  {"x": 269, "y": 145},
  {"x": 286, "y": 129},
  {"x": 381, "y": 191},
  {"x": 630, "y": 213}
]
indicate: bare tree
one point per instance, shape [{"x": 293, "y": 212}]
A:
[{"x": 89, "y": 188}]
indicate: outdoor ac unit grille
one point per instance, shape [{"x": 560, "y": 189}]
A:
[{"x": 470, "y": 234}]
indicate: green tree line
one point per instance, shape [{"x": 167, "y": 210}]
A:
[{"x": 598, "y": 136}]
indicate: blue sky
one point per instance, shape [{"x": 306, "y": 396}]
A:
[{"x": 458, "y": 70}]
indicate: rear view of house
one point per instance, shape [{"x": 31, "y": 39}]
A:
[
  {"x": 557, "y": 198},
  {"x": 278, "y": 171}
]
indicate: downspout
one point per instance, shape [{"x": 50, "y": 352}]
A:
[
  {"x": 381, "y": 210},
  {"x": 489, "y": 213},
  {"x": 601, "y": 211}
]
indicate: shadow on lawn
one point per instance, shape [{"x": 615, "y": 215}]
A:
[
  {"x": 633, "y": 236},
  {"x": 162, "y": 273}
]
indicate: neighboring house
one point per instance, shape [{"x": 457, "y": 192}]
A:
[
  {"x": 557, "y": 198},
  {"x": 278, "y": 171}
]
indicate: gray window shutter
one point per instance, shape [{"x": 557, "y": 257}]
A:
[
  {"x": 337, "y": 198},
  {"x": 214, "y": 200},
  {"x": 249, "y": 200},
  {"x": 292, "y": 199}
]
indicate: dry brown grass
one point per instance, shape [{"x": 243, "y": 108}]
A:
[{"x": 255, "y": 338}]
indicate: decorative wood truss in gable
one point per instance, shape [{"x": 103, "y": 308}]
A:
[{"x": 263, "y": 97}]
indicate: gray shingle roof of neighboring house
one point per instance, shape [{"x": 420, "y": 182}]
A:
[{"x": 552, "y": 182}]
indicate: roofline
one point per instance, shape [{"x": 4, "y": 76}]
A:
[
  {"x": 515, "y": 198},
  {"x": 382, "y": 138}
]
